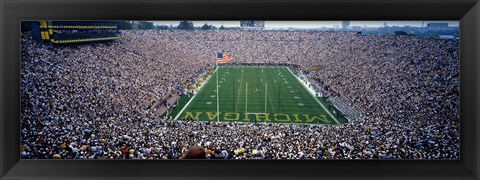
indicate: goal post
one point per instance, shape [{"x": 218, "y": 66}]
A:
[
  {"x": 246, "y": 98},
  {"x": 265, "y": 97},
  {"x": 218, "y": 105}
]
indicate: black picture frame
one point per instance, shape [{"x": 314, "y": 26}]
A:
[{"x": 13, "y": 11}]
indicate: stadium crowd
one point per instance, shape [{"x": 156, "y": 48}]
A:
[{"x": 90, "y": 101}]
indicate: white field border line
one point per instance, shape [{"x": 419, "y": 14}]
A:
[
  {"x": 314, "y": 96},
  {"x": 199, "y": 89}
]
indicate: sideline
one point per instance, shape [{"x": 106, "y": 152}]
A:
[
  {"x": 199, "y": 89},
  {"x": 313, "y": 95}
]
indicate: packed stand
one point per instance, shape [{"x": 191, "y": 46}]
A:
[{"x": 91, "y": 101}]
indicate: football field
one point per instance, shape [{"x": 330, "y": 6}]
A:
[{"x": 270, "y": 94}]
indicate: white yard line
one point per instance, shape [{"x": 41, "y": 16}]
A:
[
  {"x": 239, "y": 90},
  {"x": 269, "y": 98},
  {"x": 313, "y": 95},
  {"x": 199, "y": 89}
]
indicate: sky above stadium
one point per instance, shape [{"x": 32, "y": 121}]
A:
[{"x": 312, "y": 24}]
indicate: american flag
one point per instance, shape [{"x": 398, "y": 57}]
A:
[{"x": 223, "y": 58}]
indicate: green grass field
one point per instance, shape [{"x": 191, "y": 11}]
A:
[{"x": 242, "y": 98}]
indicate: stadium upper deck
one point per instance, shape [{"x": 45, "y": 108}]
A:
[{"x": 68, "y": 32}]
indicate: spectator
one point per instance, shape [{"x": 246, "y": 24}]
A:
[
  {"x": 92, "y": 101},
  {"x": 195, "y": 153}
]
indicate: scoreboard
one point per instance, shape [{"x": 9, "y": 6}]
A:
[{"x": 252, "y": 24}]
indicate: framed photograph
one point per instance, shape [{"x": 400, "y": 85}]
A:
[{"x": 275, "y": 90}]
